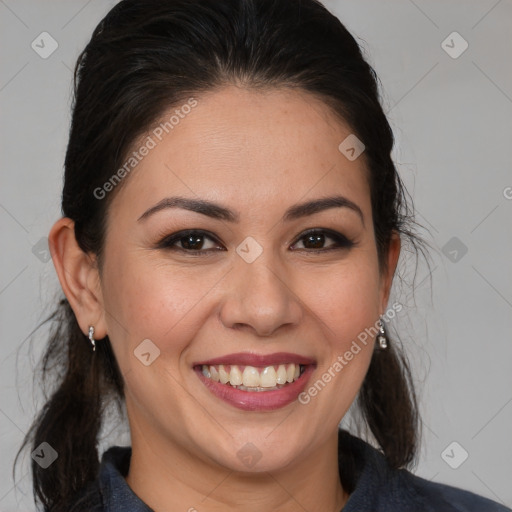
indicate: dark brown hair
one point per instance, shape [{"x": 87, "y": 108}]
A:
[{"x": 143, "y": 58}]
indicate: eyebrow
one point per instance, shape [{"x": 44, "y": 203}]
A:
[{"x": 217, "y": 211}]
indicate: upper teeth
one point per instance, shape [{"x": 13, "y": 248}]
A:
[{"x": 251, "y": 376}]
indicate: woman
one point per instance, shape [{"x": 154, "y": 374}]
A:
[{"x": 232, "y": 222}]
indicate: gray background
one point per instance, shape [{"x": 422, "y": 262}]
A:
[{"x": 453, "y": 126}]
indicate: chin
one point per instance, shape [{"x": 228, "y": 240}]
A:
[{"x": 259, "y": 450}]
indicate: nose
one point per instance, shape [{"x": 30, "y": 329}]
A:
[{"x": 260, "y": 298}]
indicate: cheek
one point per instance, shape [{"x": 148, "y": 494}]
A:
[
  {"x": 346, "y": 298},
  {"x": 345, "y": 304},
  {"x": 156, "y": 301}
]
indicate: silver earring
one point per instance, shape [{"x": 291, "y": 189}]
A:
[
  {"x": 91, "y": 338},
  {"x": 381, "y": 338}
]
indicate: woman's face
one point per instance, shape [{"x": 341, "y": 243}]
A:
[{"x": 264, "y": 296}]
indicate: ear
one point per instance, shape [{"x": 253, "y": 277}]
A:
[
  {"x": 389, "y": 272},
  {"x": 79, "y": 277}
]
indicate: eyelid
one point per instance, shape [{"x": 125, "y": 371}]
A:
[
  {"x": 343, "y": 241},
  {"x": 168, "y": 242}
]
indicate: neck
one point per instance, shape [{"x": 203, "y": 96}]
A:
[{"x": 173, "y": 479}]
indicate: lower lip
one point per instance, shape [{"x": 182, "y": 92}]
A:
[{"x": 258, "y": 400}]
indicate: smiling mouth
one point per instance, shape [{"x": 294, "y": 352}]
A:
[{"x": 253, "y": 378}]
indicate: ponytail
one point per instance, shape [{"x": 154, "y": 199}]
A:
[
  {"x": 389, "y": 406},
  {"x": 71, "y": 419}
]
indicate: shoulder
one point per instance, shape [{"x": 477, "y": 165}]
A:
[
  {"x": 380, "y": 488},
  {"x": 436, "y": 496},
  {"x": 89, "y": 499},
  {"x": 109, "y": 491}
]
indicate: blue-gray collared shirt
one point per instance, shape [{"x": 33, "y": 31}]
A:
[{"x": 377, "y": 487}]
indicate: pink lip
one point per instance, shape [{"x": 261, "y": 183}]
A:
[
  {"x": 255, "y": 400},
  {"x": 248, "y": 359}
]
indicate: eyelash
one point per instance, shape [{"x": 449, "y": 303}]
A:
[{"x": 341, "y": 241}]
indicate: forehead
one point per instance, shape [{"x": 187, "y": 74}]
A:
[{"x": 252, "y": 149}]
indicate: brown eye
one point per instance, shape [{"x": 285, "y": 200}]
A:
[
  {"x": 192, "y": 242},
  {"x": 314, "y": 240},
  {"x": 189, "y": 241}
]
